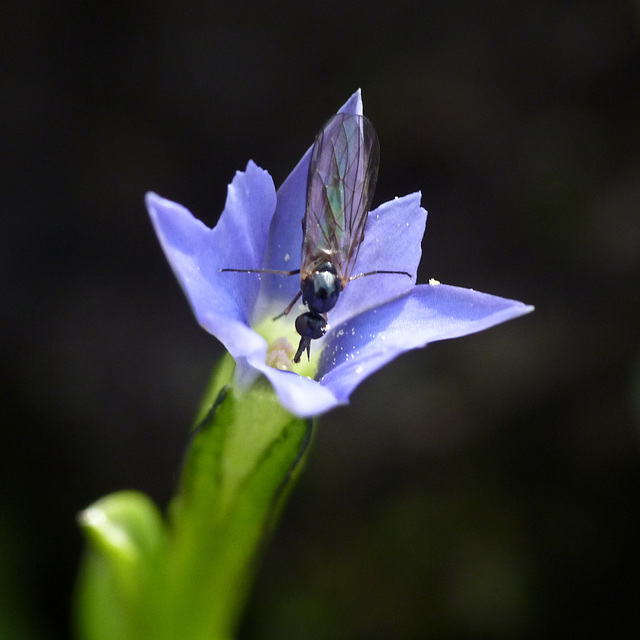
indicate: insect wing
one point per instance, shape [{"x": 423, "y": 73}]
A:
[{"x": 342, "y": 177}]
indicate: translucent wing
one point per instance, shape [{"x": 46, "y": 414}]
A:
[{"x": 342, "y": 178}]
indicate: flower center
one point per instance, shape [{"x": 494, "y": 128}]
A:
[
  {"x": 280, "y": 354},
  {"x": 281, "y": 335}
]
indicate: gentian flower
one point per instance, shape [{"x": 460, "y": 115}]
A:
[{"x": 376, "y": 318}]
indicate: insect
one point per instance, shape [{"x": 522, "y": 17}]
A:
[{"x": 343, "y": 171}]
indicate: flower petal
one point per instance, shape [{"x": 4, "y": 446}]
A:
[
  {"x": 362, "y": 345},
  {"x": 285, "y": 237},
  {"x": 392, "y": 242},
  {"x": 298, "y": 394},
  {"x": 222, "y": 302}
]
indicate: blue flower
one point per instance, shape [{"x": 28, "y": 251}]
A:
[{"x": 376, "y": 318}]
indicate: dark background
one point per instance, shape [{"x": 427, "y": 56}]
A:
[{"x": 481, "y": 488}]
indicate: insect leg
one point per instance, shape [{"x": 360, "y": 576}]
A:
[
  {"x": 373, "y": 273},
  {"x": 286, "y": 311},
  {"x": 277, "y": 272}
]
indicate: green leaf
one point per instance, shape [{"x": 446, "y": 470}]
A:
[{"x": 126, "y": 540}]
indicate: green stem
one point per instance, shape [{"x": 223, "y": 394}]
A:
[{"x": 245, "y": 454}]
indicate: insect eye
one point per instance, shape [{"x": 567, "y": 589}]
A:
[{"x": 311, "y": 325}]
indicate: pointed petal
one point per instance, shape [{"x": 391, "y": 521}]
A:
[
  {"x": 428, "y": 313},
  {"x": 392, "y": 242},
  {"x": 298, "y": 394},
  {"x": 285, "y": 244},
  {"x": 222, "y": 302}
]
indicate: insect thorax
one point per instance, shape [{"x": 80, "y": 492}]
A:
[{"x": 321, "y": 289}]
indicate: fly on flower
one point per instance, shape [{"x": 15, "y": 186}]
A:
[{"x": 342, "y": 177}]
